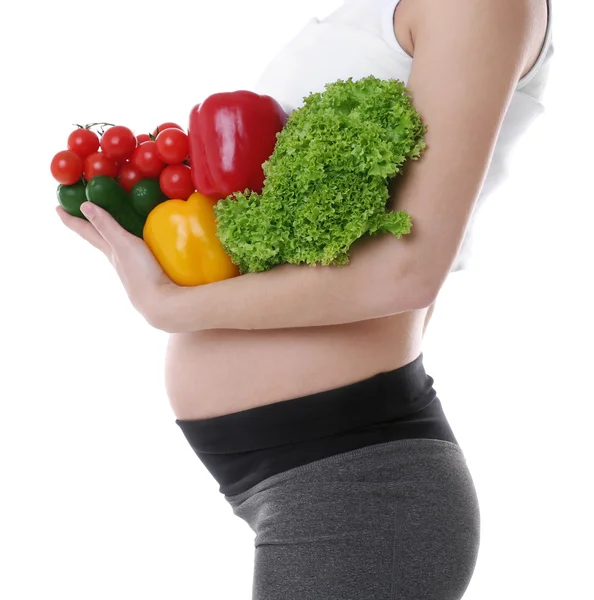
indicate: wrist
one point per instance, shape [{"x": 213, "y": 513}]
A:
[{"x": 179, "y": 310}]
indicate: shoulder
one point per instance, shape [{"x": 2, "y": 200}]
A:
[
  {"x": 480, "y": 12},
  {"x": 519, "y": 26}
]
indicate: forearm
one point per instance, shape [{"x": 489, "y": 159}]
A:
[{"x": 376, "y": 283}]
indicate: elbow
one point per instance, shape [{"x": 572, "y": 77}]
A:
[
  {"x": 425, "y": 294},
  {"x": 415, "y": 288},
  {"x": 425, "y": 272},
  {"x": 398, "y": 278},
  {"x": 425, "y": 284}
]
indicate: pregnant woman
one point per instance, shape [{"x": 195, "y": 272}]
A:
[{"x": 302, "y": 389}]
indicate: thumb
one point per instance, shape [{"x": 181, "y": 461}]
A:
[{"x": 113, "y": 233}]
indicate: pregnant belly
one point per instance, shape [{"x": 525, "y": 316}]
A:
[{"x": 221, "y": 371}]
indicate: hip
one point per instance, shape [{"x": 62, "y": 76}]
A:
[{"x": 399, "y": 520}]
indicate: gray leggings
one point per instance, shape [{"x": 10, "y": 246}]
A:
[{"x": 392, "y": 521}]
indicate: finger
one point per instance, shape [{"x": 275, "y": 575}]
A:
[
  {"x": 109, "y": 229},
  {"x": 85, "y": 229}
]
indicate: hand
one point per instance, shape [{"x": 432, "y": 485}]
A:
[{"x": 150, "y": 290}]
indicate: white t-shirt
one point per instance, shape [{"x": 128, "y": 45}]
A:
[{"x": 357, "y": 40}]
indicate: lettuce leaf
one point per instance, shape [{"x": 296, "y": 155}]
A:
[{"x": 327, "y": 180}]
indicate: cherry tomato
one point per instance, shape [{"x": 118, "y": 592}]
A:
[
  {"x": 67, "y": 167},
  {"x": 99, "y": 164},
  {"x": 176, "y": 182},
  {"x": 83, "y": 142},
  {"x": 146, "y": 160},
  {"x": 143, "y": 137},
  {"x": 172, "y": 146},
  {"x": 128, "y": 175},
  {"x": 166, "y": 126},
  {"x": 118, "y": 142}
]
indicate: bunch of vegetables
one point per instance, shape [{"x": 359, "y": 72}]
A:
[
  {"x": 247, "y": 188},
  {"x": 231, "y": 135}
]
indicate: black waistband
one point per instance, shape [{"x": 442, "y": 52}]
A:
[
  {"x": 242, "y": 449},
  {"x": 383, "y": 397}
]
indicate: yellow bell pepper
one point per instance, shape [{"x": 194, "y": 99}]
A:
[{"x": 182, "y": 236}]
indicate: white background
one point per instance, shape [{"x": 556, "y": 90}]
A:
[{"x": 101, "y": 496}]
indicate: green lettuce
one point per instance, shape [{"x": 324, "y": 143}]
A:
[{"x": 326, "y": 183}]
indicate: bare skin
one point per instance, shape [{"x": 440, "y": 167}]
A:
[{"x": 220, "y": 371}]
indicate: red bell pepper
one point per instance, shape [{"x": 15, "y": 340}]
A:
[{"x": 231, "y": 135}]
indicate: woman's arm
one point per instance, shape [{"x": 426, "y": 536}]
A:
[{"x": 468, "y": 57}]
